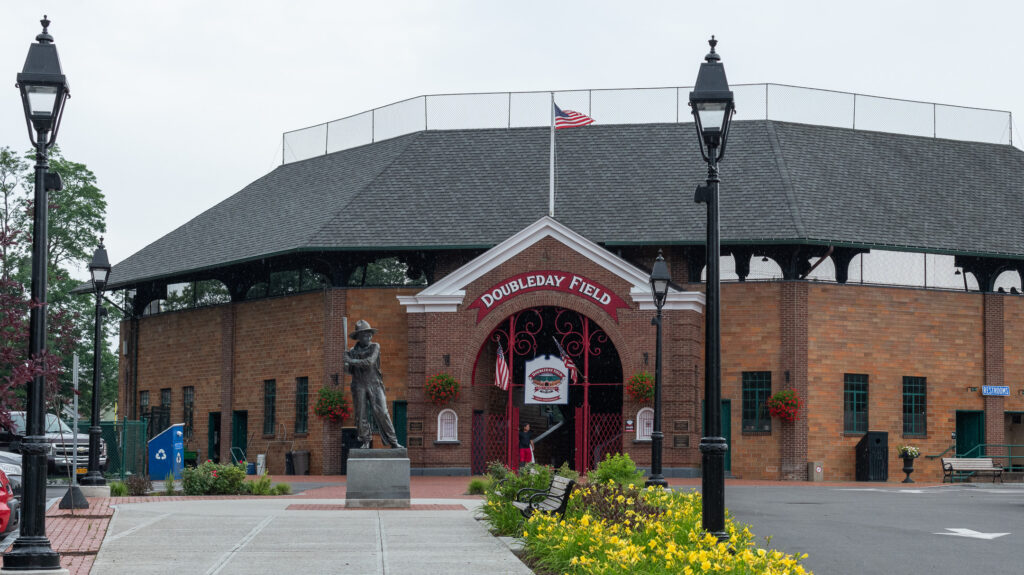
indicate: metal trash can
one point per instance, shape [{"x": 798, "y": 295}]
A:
[
  {"x": 872, "y": 454},
  {"x": 815, "y": 471},
  {"x": 301, "y": 459},
  {"x": 261, "y": 463}
]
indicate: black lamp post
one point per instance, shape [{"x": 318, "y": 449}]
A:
[
  {"x": 99, "y": 267},
  {"x": 659, "y": 289},
  {"x": 713, "y": 107},
  {"x": 44, "y": 90}
]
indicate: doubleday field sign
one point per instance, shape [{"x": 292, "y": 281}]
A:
[{"x": 566, "y": 282}]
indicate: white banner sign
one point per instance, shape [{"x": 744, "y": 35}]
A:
[{"x": 546, "y": 381}]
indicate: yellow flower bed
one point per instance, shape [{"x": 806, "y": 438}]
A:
[{"x": 664, "y": 536}]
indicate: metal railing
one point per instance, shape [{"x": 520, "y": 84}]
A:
[
  {"x": 647, "y": 106},
  {"x": 983, "y": 450}
]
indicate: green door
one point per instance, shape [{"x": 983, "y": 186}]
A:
[
  {"x": 213, "y": 437},
  {"x": 399, "y": 410},
  {"x": 239, "y": 432},
  {"x": 726, "y": 430},
  {"x": 970, "y": 433}
]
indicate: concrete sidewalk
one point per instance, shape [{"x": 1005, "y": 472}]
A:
[
  {"x": 303, "y": 532},
  {"x": 286, "y": 535}
]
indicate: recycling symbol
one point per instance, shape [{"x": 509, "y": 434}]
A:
[{"x": 161, "y": 454}]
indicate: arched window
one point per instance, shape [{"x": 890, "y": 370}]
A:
[
  {"x": 644, "y": 424},
  {"x": 447, "y": 426}
]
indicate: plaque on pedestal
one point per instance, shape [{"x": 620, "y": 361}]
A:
[{"x": 377, "y": 478}]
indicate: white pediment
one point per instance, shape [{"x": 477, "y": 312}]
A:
[{"x": 448, "y": 294}]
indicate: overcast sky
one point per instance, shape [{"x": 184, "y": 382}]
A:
[{"x": 177, "y": 105}]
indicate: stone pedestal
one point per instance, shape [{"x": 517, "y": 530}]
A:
[
  {"x": 377, "y": 478},
  {"x": 95, "y": 490}
]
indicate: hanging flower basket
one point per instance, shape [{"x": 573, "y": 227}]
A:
[
  {"x": 785, "y": 405},
  {"x": 641, "y": 386},
  {"x": 441, "y": 389},
  {"x": 332, "y": 405}
]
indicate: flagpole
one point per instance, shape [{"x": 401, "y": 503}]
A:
[{"x": 551, "y": 164}]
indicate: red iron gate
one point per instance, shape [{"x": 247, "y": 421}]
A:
[{"x": 495, "y": 435}]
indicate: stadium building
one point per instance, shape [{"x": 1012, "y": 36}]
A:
[{"x": 876, "y": 274}]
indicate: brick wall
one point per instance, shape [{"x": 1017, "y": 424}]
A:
[
  {"x": 183, "y": 349},
  {"x": 794, "y": 313},
  {"x": 995, "y": 427},
  {"x": 888, "y": 333},
  {"x": 816, "y": 332},
  {"x": 278, "y": 339},
  {"x": 460, "y": 337},
  {"x": 751, "y": 341}
]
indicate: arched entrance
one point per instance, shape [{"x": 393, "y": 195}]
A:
[{"x": 581, "y": 427}]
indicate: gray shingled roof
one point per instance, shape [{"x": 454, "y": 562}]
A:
[{"x": 628, "y": 184}]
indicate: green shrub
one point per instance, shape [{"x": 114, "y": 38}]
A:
[
  {"x": 477, "y": 486},
  {"x": 498, "y": 510},
  {"x": 138, "y": 485},
  {"x": 169, "y": 484},
  {"x": 567, "y": 472},
  {"x": 282, "y": 489},
  {"x": 213, "y": 479},
  {"x": 259, "y": 486},
  {"x": 618, "y": 468},
  {"x": 497, "y": 471},
  {"x": 618, "y": 530},
  {"x": 118, "y": 489}
]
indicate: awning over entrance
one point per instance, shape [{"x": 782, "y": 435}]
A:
[{"x": 449, "y": 293}]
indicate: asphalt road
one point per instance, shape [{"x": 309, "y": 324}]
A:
[{"x": 887, "y": 531}]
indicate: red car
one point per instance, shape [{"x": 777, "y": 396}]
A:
[{"x": 10, "y": 506}]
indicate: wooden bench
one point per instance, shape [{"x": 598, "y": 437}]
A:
[
  {"x": 554, "y": 500},
  {"x": 965, "y": 467}
]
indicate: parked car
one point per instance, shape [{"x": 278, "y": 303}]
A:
[
  {"x": 10, "y": 464},
  {"x": 10, "y": 506},
  {"x": 61, "y": 438}
]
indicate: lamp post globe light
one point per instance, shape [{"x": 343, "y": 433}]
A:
[
  {"x": 660, "y": 279},
  {"x": 44, "y": 89},
  {"x": 713, "y": 106},
  {"x": 99, "y": 268}
]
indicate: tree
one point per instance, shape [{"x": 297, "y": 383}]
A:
[
  {"x": 387, "y": 272},
  {"x": 76, "y": 218},
  {"x": 12, "y": 169},
  {"x": 196, "y": 294},
  {"x": 16, "y": 367},
  {"x": 77, "y": 213}
]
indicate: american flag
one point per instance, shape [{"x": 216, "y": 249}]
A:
[
  {"x": 501, "y": 374},
  {"x": 570, "y": 365},
  {"x": 570, "y": 119}
]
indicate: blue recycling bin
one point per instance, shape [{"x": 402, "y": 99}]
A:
[{"x": 167, "y": 453}]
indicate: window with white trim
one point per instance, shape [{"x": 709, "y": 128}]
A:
[
  {"x": 447, "y": 426},
  {"x": 644, "y": 424}
]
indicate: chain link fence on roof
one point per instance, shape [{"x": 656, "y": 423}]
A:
[{"x": 647, "y": 106}]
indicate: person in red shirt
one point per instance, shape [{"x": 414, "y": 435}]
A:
[{"x": 525, "y": 445}]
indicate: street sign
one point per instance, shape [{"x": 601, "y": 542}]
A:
[{"x": 1003, "y": 390}]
